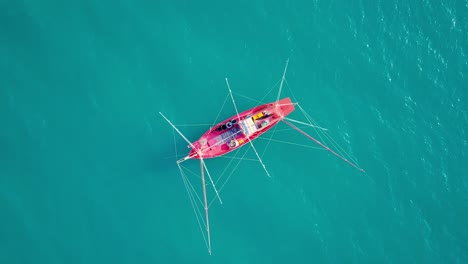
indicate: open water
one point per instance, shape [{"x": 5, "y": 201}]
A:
[{"x": 87, "y": 171}]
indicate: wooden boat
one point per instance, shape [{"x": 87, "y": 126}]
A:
[{"x": 239, "y": 130}]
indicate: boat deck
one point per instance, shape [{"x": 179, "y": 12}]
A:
[{"x": 238, "y": 130}]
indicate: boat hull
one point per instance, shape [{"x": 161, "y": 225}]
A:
[{"x": 238, "y": 130}]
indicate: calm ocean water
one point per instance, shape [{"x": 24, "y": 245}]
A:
[{"x": 87, "y": 172}]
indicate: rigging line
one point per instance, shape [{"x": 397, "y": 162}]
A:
[
  {"x": 222, "y": 107},
  {"x": 187, "y": 184},
  {"x": 287, "y": 129},
  {"x": 185, "y": 179},
  {"x": 327, "y": 148},
  {"x": 290, "y": 90},
  {"x": 178, "y": 131},
  {"x": 246, "y": 97},
  {"x": 261, "y": 101},
  {"x": 226, "y": 167},
  {"x": 192, "y": 188},
  {"x": 309, "y": 119},
  {"x": 290, "y": 143},
  {"x": 175, "y": 147},
  {"x": 212, "y": 183},
  {"x": 268, "y": 144},
  {"x": 340, "y": 149},
  {"x": 195, "y": 210},
  {"x": 229, "y": 157},
  {"x": 288, "y": 104},
  {"x": 200, "y": 221},
  {"x": 312, "y": 121},
  {"x": 190, "y": 193},
  {"x": 193, "y": 191},
  {"x": 232, "y": 172},
  {"x": 306, "y": 115},
  {"x": 302, "y": 123},
  {"x": 330, "y": 138},
  {"x": 238, "y": 117},
  {"x": 321, "y": 133},
  {"x": 282, "y": 81},
  {"x": 198, "y": 176}
]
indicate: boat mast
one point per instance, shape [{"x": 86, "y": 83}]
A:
[
  {"x": 206, "y": 206},
  {"x": 238, "y": 118}
]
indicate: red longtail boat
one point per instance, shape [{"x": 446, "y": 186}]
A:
[{"x": 239, "y": 130}]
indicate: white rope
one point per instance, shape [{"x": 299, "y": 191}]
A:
[
  {"x": 290, "y": 143},
  {"x": 195, "y": 208},
  {"x": 268, "y": 144},
  {"x": 191, "y": 186},
  {"x": 337, "y": 146},
  {"x": 246, "y": 97},
  {"x": 225, "y": 168},
  {"x": 287, "y": 129},
  {"x": 261, "y": 100},
  {"x": 232, "y": 172},
  {"x": 222, "y": 107},
  {"x": 193, "y": 173},
  {"x": 330, "y": 139},
  {"x": 310, "y": 122},
  {"x": 229, "y": 157},
  {"x": 302, "y": 123}
]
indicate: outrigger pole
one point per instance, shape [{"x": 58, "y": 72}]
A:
[
  {"x": 182, "y": 135},
  {"x": 323, "y": 146},
  {"x": 206, "y": 205}
]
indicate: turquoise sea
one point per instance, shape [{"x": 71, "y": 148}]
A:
[{"x": 87, "y": 165}]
